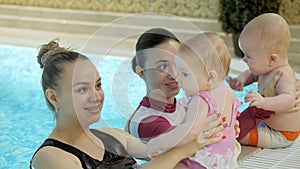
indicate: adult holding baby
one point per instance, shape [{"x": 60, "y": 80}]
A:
[
  {"x": 72, "y": 89},
  {"x": 159, "y": 111}
]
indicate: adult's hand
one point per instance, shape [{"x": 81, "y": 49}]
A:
[
  {"x": 269, "y": 91},
  {"x": 171, "y": 158},
  {"x": 297, "y": 86},
  {"x": 296, "y": 107},
  {"x": 237, "y": 126},
  {"x": 213, "y": 126}
]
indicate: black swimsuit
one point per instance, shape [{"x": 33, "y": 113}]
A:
[{"x": 115, "y": 155}]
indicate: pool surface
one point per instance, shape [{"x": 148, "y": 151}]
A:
[{"x": 25, "y": 118}]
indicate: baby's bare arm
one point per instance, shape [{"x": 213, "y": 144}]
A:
[
  {"x": 270, "y": 92},
  {"x": 285, "y": 98},
  {"x": 244, "y": 79},
  {"x": 248, "y": 78},
  {"x": 196, "y": 115}
]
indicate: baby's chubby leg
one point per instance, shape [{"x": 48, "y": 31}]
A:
[
  {"x": 250, "y": 118},
  {"x": 265, "y": 137}
]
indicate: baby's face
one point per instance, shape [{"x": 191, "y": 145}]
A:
[
  {"x": 255, "y": 54},
  {"x": 191, "y": 77}
]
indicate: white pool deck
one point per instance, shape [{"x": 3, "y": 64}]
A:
[
  {"x": 287, "y": 158},
  {"x": 251, "y": 158}
]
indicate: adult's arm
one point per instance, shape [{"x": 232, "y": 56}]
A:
[{"x": 169, "y": 159}]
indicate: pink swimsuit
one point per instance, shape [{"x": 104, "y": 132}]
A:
[{"x": 223, "y": 154}]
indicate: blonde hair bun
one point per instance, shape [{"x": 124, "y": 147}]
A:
[{"x": 47, "y": 51}]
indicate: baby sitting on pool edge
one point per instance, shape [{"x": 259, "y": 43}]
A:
[{"x": 265, "y": 48}]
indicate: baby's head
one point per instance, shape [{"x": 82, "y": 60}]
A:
[
  {"x": 203, "y": 60},
  {"x": 266, "y": 37}
]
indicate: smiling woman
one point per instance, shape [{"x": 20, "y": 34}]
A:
[
  {"x": 72, "y": 88},
  {"x": 25, "y": 119},
  {"x": 155, "y": 64},
  {"x": 86, "y": 91},
  {"x": 78, "y": 91}
]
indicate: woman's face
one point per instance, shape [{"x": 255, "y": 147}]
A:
[
  {"x": 159, "y": 71},
  {"x": 81, "y": 95}
]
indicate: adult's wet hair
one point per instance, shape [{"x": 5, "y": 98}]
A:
[
  {"x": 52, "y": 59},
  {"x": 150, "y": 39}
]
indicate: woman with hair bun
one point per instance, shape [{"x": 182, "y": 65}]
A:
[{"x": 72, "y": 89}]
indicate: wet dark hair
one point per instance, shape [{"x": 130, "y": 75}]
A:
[
  {"x": 52, "y": 59},
  {"x": 150, "y": 39}
]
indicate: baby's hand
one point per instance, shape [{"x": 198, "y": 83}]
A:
[
  {"x": 235, "y": 83},
  {"x": 256, "y": 99}
]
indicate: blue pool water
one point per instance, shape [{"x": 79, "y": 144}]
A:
[{"x": 25, "y": 118}]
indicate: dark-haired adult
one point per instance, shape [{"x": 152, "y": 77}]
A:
[
  {"x": 72, "y": 89},
  {"x": 159, "y": 111}
]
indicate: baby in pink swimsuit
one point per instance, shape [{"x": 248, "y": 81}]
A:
[{"x": 203, "y": 63}]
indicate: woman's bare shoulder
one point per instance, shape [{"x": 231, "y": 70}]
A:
[{"x": 52, "y": 158}]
